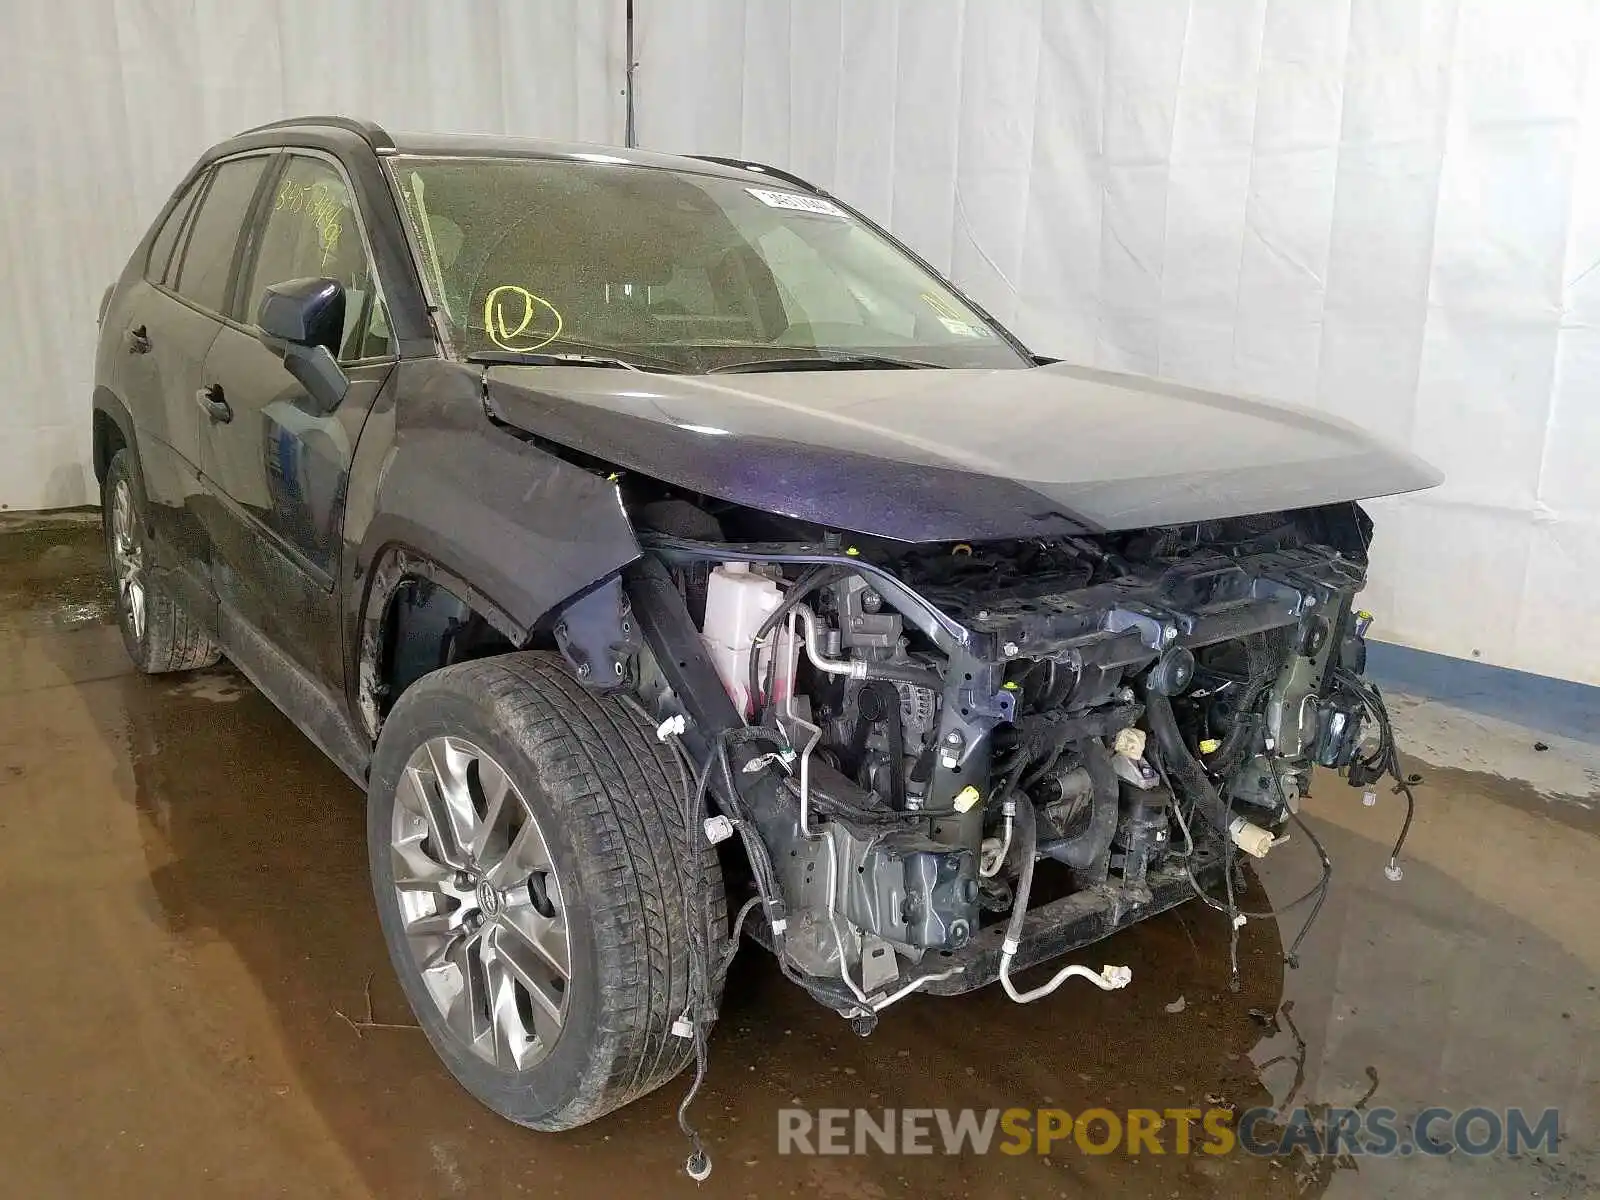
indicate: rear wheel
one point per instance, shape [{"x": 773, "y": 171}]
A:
[
  {"x": 159, "y": 634},
  {"x": 530, "y": 865}
]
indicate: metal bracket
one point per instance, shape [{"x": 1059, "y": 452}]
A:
[
  {"x": 596, "y": 633},
  {"x": 1002, "y": 706},
  {"x": 1154, "y": 632},
  {"x": 878, "y": 965}
]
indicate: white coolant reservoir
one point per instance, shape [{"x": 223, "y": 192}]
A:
[{"x": 738, "y": 600}]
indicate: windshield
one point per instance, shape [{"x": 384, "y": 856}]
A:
[{"x": 672, "y": 269}]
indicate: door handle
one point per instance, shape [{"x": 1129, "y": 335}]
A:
[
  {"x": 212, "y": 400},
  {"x": 138, "y": 340}
]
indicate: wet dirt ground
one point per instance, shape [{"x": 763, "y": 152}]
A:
[{"x": 191, "y": 949}]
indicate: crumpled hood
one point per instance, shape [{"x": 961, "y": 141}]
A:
[{"x": 941, "y": 455}]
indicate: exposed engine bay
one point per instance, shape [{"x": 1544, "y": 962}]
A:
[{"x": 949, "y": 762}]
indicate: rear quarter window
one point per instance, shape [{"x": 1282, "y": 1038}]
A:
[{"x": 159, "y": 263}]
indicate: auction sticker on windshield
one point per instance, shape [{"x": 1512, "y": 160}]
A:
[{"x": 795, "y": 202}]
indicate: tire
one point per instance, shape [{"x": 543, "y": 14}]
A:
[
  {"x": 604, "y": 798},
  {"x": 159, "y": 634}
]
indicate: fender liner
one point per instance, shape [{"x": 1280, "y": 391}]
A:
[
  {"x": 392, "y": 566},
  {"x": 594, "y": 630}
]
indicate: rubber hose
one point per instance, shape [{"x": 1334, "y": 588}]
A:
[
  {"x": 809, "y": 581},
  {"x": 1084, "y": 850},
  {"x": 905, "y": 673},
  {"x": 1026, "y": 839},
  {"x": 1180, "y": 763}
]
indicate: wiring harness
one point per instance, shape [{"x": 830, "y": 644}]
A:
[{"x": 1382, "y": 760}]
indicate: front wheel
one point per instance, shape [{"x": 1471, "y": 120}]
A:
[{"x": 530, "y": 865}]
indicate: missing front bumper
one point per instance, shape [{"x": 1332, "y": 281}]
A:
[{"x": 1060, "y": 926}]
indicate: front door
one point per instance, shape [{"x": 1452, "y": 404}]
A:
[{"x": 278, "y": 469}]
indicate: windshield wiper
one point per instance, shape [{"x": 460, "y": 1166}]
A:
[
  {"x": 543, "y": 358},
  {"x": 832, "y": 362}
]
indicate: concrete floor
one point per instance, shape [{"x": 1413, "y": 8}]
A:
[{"x": 184, "y": 898}]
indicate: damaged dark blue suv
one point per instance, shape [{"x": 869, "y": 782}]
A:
[{"x": 672, "y": 556}]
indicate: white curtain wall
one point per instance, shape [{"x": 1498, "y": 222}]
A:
[
  {"x": 1389, "y": 209},
  {"x": 1385, "y": 208},
  {"x": 105, "y": 104}
]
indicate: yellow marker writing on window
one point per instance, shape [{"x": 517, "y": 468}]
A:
[
  {"x": 324, "y": 209},
  {"x": 510, "y": 311},
  {"x": 942, "y": 306}
]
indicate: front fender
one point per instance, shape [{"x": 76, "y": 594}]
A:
[{"x": 519, "y": 528}]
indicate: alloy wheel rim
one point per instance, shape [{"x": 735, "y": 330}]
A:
[
  {"x": 127, "y": 556},
  {"x": 482, "y": 910}
]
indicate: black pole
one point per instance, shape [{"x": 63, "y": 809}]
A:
[{"x": 630, "y": 132}]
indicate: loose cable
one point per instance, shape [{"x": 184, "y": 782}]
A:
[{"x": 1385, "y": 760}]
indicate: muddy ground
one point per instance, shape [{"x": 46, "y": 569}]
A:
[{"x": 191, "y": 952}]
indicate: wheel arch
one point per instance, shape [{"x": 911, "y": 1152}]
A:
[
  {"x": 412, "y": 595},
  {"x": 396, "y": 566},
  {"x": 112, "y": 429}
]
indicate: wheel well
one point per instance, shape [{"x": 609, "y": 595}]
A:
[
  {"x": 427, "y": 626},
  {"x": 108, "y": 440}
]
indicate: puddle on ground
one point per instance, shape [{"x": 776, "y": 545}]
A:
[
  {"x": 201, "y": 928},
  {"x": 219, "y": 685},
  {"x": 53, "y": 575}
]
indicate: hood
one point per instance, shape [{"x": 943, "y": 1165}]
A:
[{"x": 948, "y": 455}]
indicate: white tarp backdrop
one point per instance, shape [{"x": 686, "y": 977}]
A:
[
  {"x": 107, "y": 103},
  {"x": 1386, "y": 208}
]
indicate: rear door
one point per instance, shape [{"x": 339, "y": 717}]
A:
[
  {"x": 277, "y": 471},
  {"x": 166, "y": 327}
]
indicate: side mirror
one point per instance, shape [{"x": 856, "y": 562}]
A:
[{"x": 303, "y": 320}]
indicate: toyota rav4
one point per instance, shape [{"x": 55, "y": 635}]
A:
[{"x": 673, "y": 557}]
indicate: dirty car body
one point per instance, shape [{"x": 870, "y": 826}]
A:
[{"x": 925, "y": 613}]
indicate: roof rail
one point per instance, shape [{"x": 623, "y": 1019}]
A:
[
  {"x": 745, "y": 164},
  {"x": 374, "y": 135}
]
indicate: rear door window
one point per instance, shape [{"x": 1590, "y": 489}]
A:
[{"x": 207, "y": 260}]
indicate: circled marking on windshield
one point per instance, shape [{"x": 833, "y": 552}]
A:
[{"x": 510, "y": 311}]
